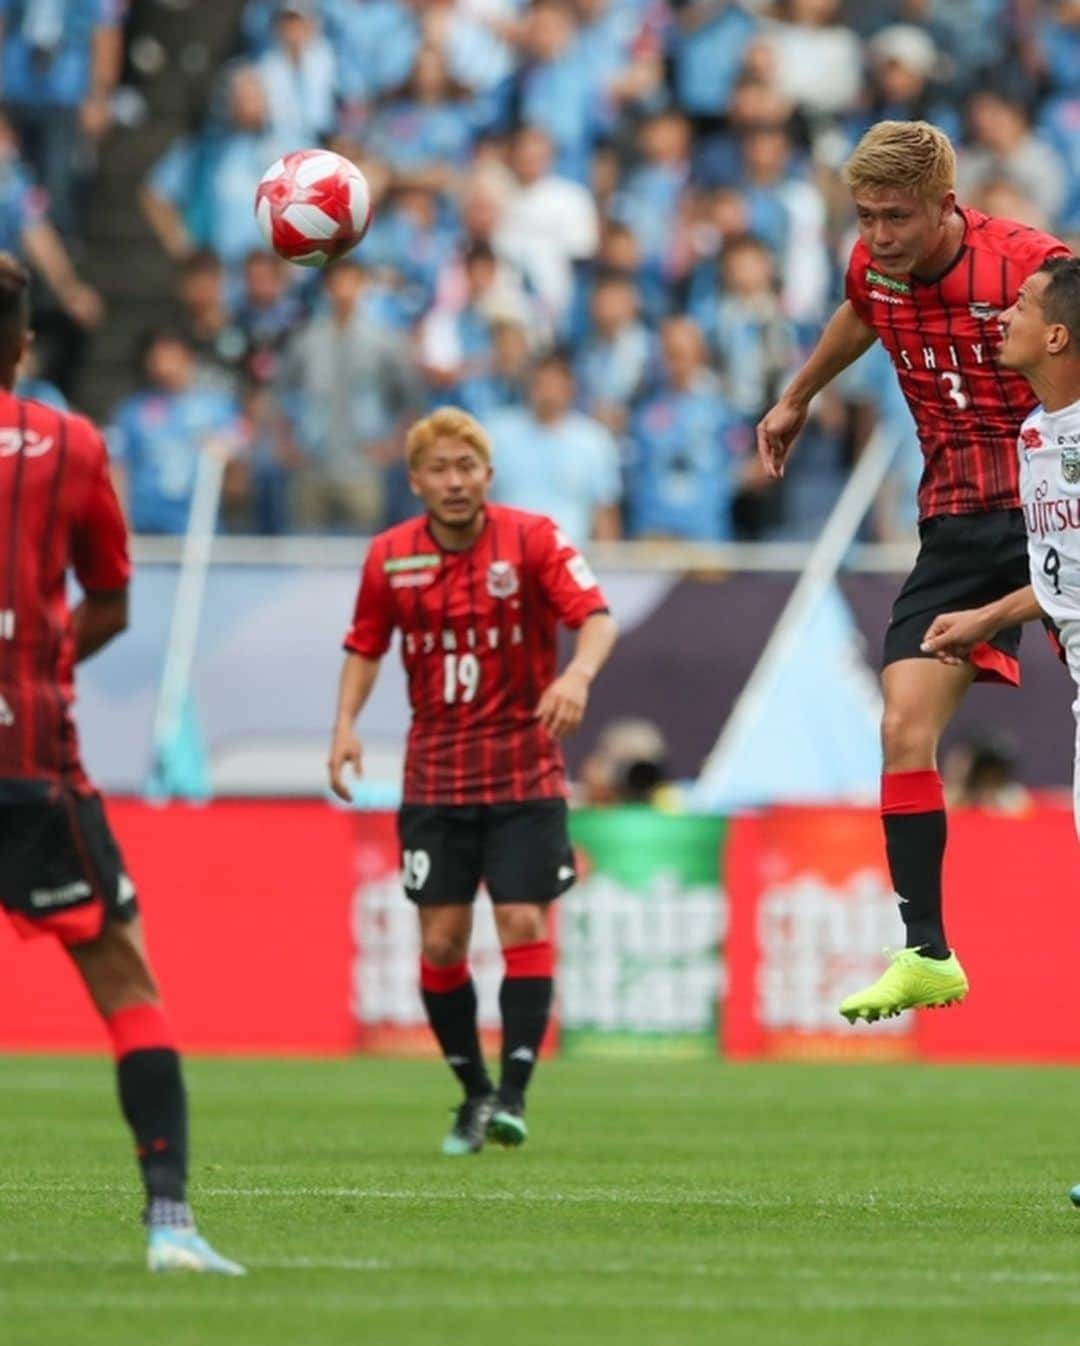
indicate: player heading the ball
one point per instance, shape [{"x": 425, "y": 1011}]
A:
[
  {"x": 477, "y": 592},
  {"x": 928, "y": 278}
]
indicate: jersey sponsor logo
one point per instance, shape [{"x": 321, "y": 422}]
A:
[
  {"x": 1042, "y": 517},
  {"x": 982, "y": 311},
  {"x": 45, "y": 899},
  {"x": 502, "y": 580},
  {"x": 1030, "y": 437},
  {"x": 886, "y": 282},
  {"x": 472, "y": 638},
  {"x": 394, "y": 565},
  {"x": 929, "y": 357},
  {"x": 412, "y": 579},
  {"x": 32, "y": 444},
  {"x": 1070, "y": 464},
  {"x": 885, "y": 298}
]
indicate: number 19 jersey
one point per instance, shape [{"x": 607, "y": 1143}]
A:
[
  {"x": 478, "y": 641},
  {"x": 1049, "y": 451}
]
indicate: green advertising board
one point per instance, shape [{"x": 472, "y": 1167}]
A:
[{"x": 641, "y": 934}]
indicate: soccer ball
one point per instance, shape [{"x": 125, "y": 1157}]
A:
[{"x": 313, "y": 206}]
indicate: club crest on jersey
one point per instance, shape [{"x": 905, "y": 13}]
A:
[
  {"x": 1070, "y": 464},
  {"x": 983, "y": 312},
  {"x": 502, "y": 580}
]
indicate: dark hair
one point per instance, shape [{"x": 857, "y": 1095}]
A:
[
  {"x": 555, "y": 358},
  {"x": 479, "y": 251},
  {"x": 14, "y": 302},
  {"x": 153, "y": 336},
  {"x": 201, "y": 260},
  {"x": 1061, "y": 298}
]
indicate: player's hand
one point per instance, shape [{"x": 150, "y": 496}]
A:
[
  {"x": 953, "y": 635},
  {"x": 777, "y": 432},
  {"x": 345, "y": 751},
  {"x": 563, "y": 704}
]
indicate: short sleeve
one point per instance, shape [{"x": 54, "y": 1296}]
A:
[
  {"x": 99, "y": 541},
  {"x": 855, "y": 290},
  {"x": 565, "y": 576},
  {"x": 373, "y": 616}
]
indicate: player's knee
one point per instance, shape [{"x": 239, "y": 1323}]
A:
[
  {"x": 442, "y": 949},
  {"x": 906, "y": 742},
  {"x": 115, "y": 969},
  {"x": 521, "y": 924}
]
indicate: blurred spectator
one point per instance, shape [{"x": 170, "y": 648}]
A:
[
  {"x": 157, "y": 435},
  {"x": 627, "y": 765},
  {"x": 269, "y": 308},
  {"x": 376, "y": 44},
  {"x": 996, "y": 196},
  {"x": 903, "y": 64},
  {"x": 557, "y": 461},
  {"x": 29, "y": 382},
  {"x": 298, "y": 75},
  {"x": 204, "y": 318},
  {"x": 817, "y": 61},
  {"x": 59, "y": 62},
  {"x": 200, "y": 194},
  {"x": 549, "y": 224},
  {"x": 1060, "y": 43},
  {"x": 507, "y": 382},
  {"x": 273, "y": 459},
  {"x": 25, "y": 229},
  {"x": 621, "y": 42},
  {"x": 351, "y": 388},
  {"x": 708, "y": 41},
  {"x": 980, "y": 772},
  {"x": 747, "y": 330},
  {"x": 649, "y": 200},
  {"x": 411, "y": 241},
  {"x": 614, "y": 361},
  {"x": 688, "y": 447},
  {"x": 1003, "y": 146},
  {"x": 558, "y": 88},
  {"x": 425, "y": 131}
]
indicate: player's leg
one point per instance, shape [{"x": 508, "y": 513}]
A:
[
  {"x": 525, "y": 999},
  {"x": 440, "y": 861},
  {"x": 528, "y": 863},
  {"x": 921, "y": 697},
  {"x": 151, "y": 1089}
]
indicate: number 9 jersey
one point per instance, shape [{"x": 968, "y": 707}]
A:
[
  {"x": 478, "y": 642},
  {"x": 1049, "y": 448}
]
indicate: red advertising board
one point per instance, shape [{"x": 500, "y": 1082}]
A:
[{"x": 812, "y": 908}]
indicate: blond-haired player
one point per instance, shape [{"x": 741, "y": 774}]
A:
[
  {"x": 928, "y": 278},
  {"x": 477, "y": 592}
]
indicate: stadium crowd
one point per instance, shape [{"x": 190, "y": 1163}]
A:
[{"x": 609, "y": 228}]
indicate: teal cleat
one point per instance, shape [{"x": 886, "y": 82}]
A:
[
  {"x": 187, "y": 1250},
  {"x": 470, "y": 1127},
  {"x": 507, "y": 1126}
]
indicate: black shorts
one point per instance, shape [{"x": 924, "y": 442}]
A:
[
  {"x": 61, "y": 872},
  {"x": 520, "y": 850},
  {"x": 964, "y": 561}
]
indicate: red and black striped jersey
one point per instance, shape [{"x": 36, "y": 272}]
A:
[
  {"x": 58, "y": 511},
  {"x": 478, "y": 641},
  {"x": 943, "y": 336}
]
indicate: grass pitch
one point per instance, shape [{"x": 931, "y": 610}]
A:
[{"x": 658, "y": 1205}]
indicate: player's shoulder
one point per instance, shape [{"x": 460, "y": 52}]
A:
[
  {"x": 525, "y": 523},
  {"x": 859, "y": 259},
  {"x": 1010, "y": 239},
  {"x": 82, "y": 438}
]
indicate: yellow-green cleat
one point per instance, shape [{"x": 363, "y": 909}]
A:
[{"x": 909, "y": 982}]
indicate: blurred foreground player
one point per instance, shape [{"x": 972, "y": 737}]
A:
[
  {"x": 928, "y": 279},
  {"x": 60, "y": 870},
  {"x": 477, "y": 591}
]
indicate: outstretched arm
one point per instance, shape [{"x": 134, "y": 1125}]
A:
[
  {"x": 844, "y": 339},
  {"x": 953, "y": 635}
]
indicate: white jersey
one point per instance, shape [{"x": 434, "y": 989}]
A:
[{"x": 1049, "y": 449}]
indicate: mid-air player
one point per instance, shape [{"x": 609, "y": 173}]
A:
[
  {"x": 61, "y": 873},
  {"x": 928, "y": 278},
  {"x": 477, "y": 591}
]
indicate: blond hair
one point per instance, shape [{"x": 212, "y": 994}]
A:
[
  {"x": 446, "y": 423},
  {"x": 914, "y": 157}
]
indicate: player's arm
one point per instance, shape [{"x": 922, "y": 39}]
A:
[
  {"x": 953, "y": 635},
  {"x": 358, "y": 675},
  {"x": 562, "y": 705},
  {"x": 97, "y": 619},
  {"x": 844, "y": 339}
]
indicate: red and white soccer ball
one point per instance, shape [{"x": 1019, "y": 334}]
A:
[{"x": 313, "y": 206}]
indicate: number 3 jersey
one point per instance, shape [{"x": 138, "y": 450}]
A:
[
  {"x": 942, "y": 337},
  {"x": 1050, "y": 495},
  {"x": 478, "y": 641}
]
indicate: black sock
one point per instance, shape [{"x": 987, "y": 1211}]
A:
[
  {"x": 152, "y": 1099},
  {"x": 913, "y": 815},
  {"x": 452, "y": 1016},
  {"x": 525, "y": 1003}
]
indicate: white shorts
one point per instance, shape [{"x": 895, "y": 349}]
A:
[{"x": 1070, "y": 640}]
